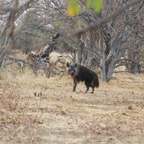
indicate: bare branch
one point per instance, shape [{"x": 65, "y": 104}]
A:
[{"x": 104, "y": 21}]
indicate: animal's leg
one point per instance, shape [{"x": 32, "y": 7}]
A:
[
  {"x": 87, "y": 85},
  {"x": 92, "y": 90},
  {"x": 87, "y": 89},
  {"x": 75, "y": 84}
]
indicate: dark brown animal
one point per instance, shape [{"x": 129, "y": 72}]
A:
[{"x": 83, "y": 74}]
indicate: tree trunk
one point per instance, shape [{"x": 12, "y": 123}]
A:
[{"x": 79, "y": 53}]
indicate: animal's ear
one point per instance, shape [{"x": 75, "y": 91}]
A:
[
  {"x": 75, "y": 65},
  {"x": 67, "y": 64}
]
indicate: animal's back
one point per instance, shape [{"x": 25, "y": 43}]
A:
[{"x": 85, "y": 74}]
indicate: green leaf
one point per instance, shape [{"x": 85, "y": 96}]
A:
[
  {"x": 97, "y": 4},
  {"x": 72, "y": 9},
  {"x": 73, "y": 1},
  {"x": 75, "y": 8},
  {"x": 89, "y": 3}
]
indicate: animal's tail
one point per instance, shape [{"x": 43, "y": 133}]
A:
[{"x": 96, "y": 81}]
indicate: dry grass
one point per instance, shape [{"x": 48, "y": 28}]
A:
[{"x": 38, "y": 110}]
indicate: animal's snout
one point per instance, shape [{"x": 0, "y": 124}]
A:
[{"x": 72, "y": 73}]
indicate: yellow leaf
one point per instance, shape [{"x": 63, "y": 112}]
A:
[
  {"x": 70, "y": 12},
  {"x": 72, "y": 9}
]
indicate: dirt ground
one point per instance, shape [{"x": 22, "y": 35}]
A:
[{"x": 40, "y": 110}]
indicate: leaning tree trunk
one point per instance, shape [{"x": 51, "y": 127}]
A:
[
  {"x": 8, "y": 31},
  {"x": 91, "y": 46},
  {"x": 79, "y": 53},
  {"x": 112, "y": 53}
]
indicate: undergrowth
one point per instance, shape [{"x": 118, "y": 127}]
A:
[{"x": 17, "y": 125}]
